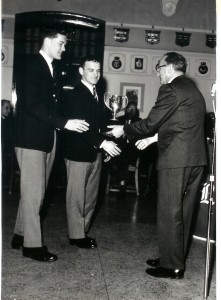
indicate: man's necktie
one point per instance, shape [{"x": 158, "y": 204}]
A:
[
  {"x": 54, "y": 70},
  {"x": 95, "y": 93}
]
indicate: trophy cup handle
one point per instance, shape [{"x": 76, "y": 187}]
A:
[
  {"x": 125, "y": 98},
  {"x": 107, "y": 95}
]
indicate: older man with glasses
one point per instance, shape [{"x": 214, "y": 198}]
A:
[{"x": 177, "y": 121}]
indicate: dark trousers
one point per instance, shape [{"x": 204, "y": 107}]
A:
[{"x": 177, "y": 195}]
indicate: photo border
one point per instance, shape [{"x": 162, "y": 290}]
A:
[{"x": 137, "y": 70}]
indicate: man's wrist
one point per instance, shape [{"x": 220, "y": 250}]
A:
[
  {"x": 65, "y": 125},
  {"x": 102, "y": 144}
]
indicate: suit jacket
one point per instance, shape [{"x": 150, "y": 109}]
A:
[
  {"x": 178, "y": 116},
  {"x": 83, "y": 146},
  {"x": 36, "y": 108}
]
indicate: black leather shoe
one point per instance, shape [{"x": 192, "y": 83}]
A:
[
  {"x": 87, "y": 243},
  {"x": 165, "y": 273},
  {"x": 39, "y": 254},
  {"x": 17, "y": 241},
  {"x": 91, "y": 239},
  {"x": 155, "y": 263}
]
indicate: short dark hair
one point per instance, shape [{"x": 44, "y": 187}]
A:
[
  {"x": 89, "y": 58},
  {"x": 52, "y": 32},
  {"x": 177, "y": 60}
]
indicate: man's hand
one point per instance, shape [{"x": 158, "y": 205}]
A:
[
  {"x": 142, "y": 144},
  {"x": 117, "y": 130},
  {"x": 77, "y": 125},
  {"x": 111, "y": 148}
]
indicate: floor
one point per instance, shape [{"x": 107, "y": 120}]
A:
[{"x": 126, "y": 233}]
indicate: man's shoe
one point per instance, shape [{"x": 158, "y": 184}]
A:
[
  {"x": 155, "y": 263},
  {"x": 39, "y": 254},
  {"x": 91, "y": 239},
  {"x": 17, "y": 241},
  {"x": 86, "y": 243},
  {"x": 165, "y": 273}
]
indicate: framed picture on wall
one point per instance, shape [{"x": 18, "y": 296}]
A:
[
  {"x": 134, "y": 93},
  {"x": 138, "y": 63},
  {"x": 116, "y": 62},
  {"x": 202, "y": 68}
]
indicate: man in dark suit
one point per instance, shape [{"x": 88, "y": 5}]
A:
[
  {"x": 83, "y": 154},
  {"x": 36, "y": 122},
  {"x": 178, "y": 118}
]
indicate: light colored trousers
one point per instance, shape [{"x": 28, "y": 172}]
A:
[
  {"x": 35, "y": 167},
  {"x": 82, "y": 189}
]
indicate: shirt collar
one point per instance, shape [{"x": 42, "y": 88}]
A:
[
  {"x": 173, "y": 78},
  {"x": 88, "y": 85}
]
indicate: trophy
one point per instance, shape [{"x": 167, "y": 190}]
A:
[{"x": 115, "y": 103}]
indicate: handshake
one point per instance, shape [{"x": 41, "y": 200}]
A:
[
  {"x": 118, "y": 130},
  {"x": 81, "y": 126}
]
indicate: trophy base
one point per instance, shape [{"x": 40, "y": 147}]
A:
[{"x": 113, "y": 122}]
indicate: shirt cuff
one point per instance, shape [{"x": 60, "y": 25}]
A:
[{"x": 101, "y": 145}]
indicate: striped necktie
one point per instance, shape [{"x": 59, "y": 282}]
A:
[
  {"x": 95, "y": 93},
  {"x": 54, "y": 70}
]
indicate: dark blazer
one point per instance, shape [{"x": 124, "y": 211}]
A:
[
  {"x": 36, "y": 109},
  {"x": 82, "y": 105},
  {"x": 178, "y": 116}
]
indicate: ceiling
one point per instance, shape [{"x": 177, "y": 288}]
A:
[{"x": 193, "y": 14}]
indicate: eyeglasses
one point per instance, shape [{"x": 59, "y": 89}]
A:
[{"x": 158, "y": 67}]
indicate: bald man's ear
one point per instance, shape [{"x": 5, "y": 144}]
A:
[{"x": 170, "y": 69}]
